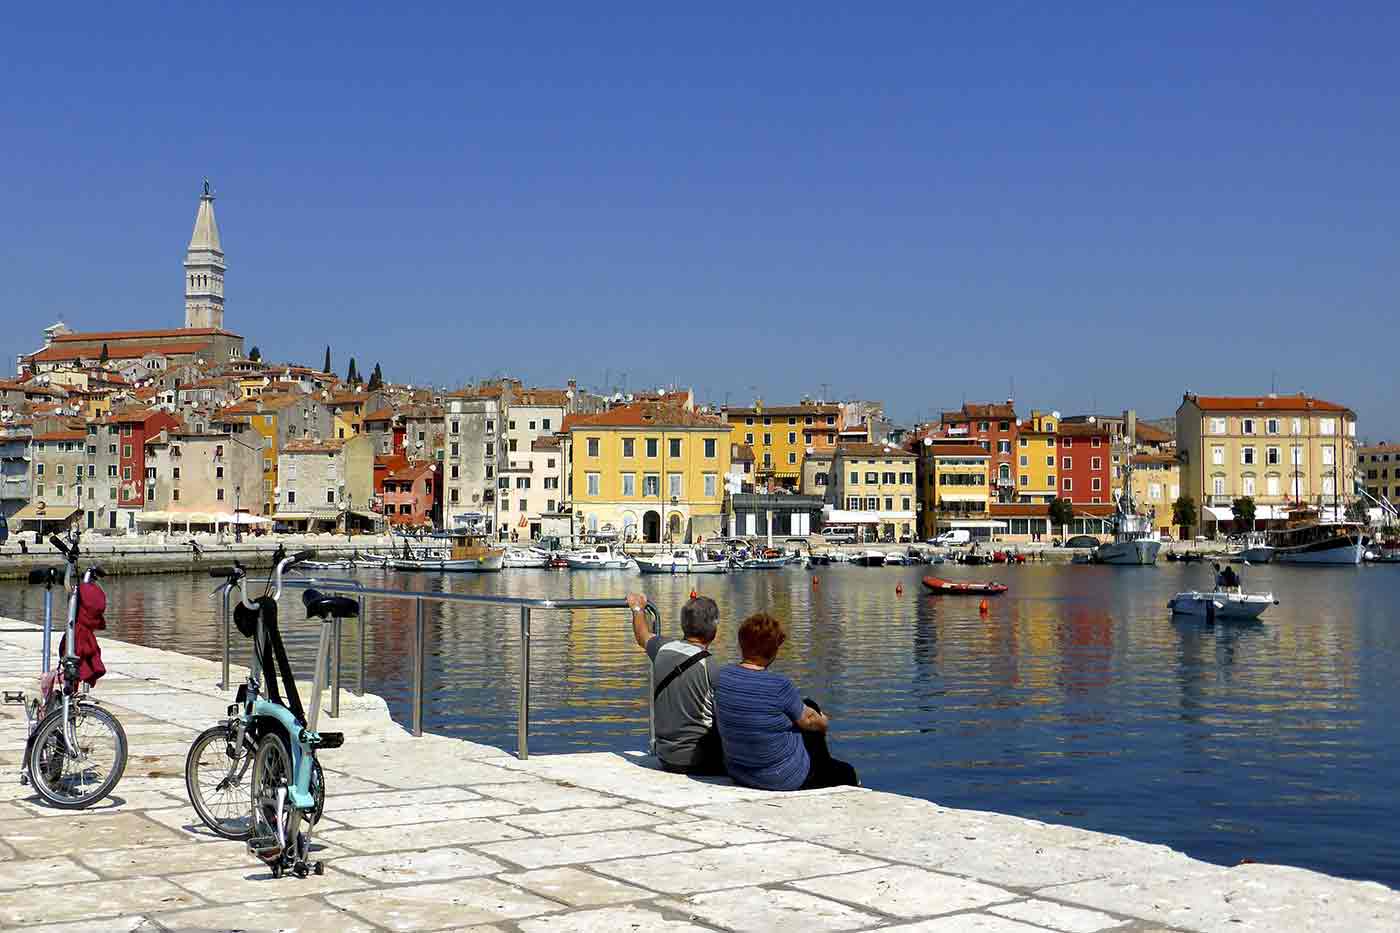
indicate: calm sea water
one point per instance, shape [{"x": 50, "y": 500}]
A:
[{"x": 1075, "y": 699}]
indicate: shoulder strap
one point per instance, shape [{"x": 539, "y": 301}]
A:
[{"x": 680, "y": 669}]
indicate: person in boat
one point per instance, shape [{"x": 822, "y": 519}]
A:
[
  {"x": 773, "y": 738},
  {"x": 686, "y": 737},
  {"x": 1227, "y": 580}
]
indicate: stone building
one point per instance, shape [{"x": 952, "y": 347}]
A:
[
  {"x": 473, "y": 455},
  {"x": 201, "y": 479},
  {"x": 324, "y": 480}
]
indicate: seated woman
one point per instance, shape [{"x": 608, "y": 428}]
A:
[{"x": 772, "y": 739}]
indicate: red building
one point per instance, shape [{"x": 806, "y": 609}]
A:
[
  {"x": 994, "y": 426},
  {"x": 1086, "y": 463},
  {"x": 411, "y": 495},
  {"x": 134, "y": 426}
]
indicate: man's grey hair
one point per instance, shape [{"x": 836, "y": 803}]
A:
[{"x": 700, "y": 618}]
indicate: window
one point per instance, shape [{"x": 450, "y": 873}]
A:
[
  {"x": 456, "y": 472},
  {"x": 175, "y": 496},
  {"x": 853, "y": 503},
  {"x": 39, "y": 490},
  {"x": 1271, "y": 456},
  {"x": 505, "y": 505},
  {"x": 1329, "y": 455},
  {"x": 1271, "y": 426},
  {"x": 593, "y": 447},
  {"x": 112, "y": 449},
  {"x": 457, "y": 449},
  {"x": 1050, "y": 480},
  {"x": 831, "y": 419},
  {"x": 1068, "y": 484},
  {"x": 454, "y": 496},
  {"x": 1096, "y": 484},
  {"x": 1297, "y": 455},
  {"x": 1067, "y": 464},
  {"x": 651, "y": 484},
  {"x": 767, "y": 439},
  {"x": 522, "y": 482},
  {"x": 1050, "y": 461},
  {"x": 126, "y": 473},
  {"x": 1096, "y": 463},
  {"x": 1025, "y": 461},
  {"x": 1327, "y": 426},
  {"x": 888, "y": 478},
  {"x": 456, "y": 428},
  {"x": 872, "y": 479},
  {"x": 1003, "y": 447},
  {"x": 1095, "y": 443},
  {"x": 855, "y": 478},
  {"x": 984, "y": 426},
  {"x": 490, "y": 450},
  {"x": 629, "y": 447},
  {"x": 1067, "y": 442},
  {"x": 1297, "y": 425},
  {"x": 748, "y": 438},
  {"x": 711, "y": 485},
  {"x": 595, "y": 484},
  {"x": 490, "y": 425},
  {"x": 1247, "y": 456},
  {"x": 1247, "y": 485},
  {"x": 1247, "y": 425},
  {"x": 675, "y": 446},
  {"x": 767, "y": 421},
  {"x": 1217, "y": 425},
  {"x": 904, "y": 504},
  {"x": 1218, "y": 485},
  {"x": 1025, "y": 480},
  {"x": 710, "y": 448},
  {"x": 1217, "y": 456},
  {"x": 792, "y": 457},
  {"x": 629, "y": 484},
  {"x": 748, "y": 421},
  {"x": 60, "y": 469},
  {"x": 175, "y": 473},
  {"x": 674, "y": 483},
  {"x": 291, "y": 496},
  {"x": 653, "y": 445},
  {"x": 906, "y": 477}
]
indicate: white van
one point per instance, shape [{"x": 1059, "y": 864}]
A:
[
  {"x": 953, "y": 538},
  {"x": 839, "y": 534}
]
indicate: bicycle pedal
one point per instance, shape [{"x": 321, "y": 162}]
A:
[
  {"x": 331, "y": 740},
  {"x": 267, "y": 848}
]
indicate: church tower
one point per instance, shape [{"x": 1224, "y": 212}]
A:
[{"x": 204, "y": 269}]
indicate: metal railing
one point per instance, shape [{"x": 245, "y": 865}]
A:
[{"x": 525, "y": 605}]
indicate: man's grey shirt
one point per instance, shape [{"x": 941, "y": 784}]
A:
[{"x": 686, "y": 708}]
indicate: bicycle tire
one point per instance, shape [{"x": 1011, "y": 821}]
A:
[
  {"x": 234, "y": 796},
  {"x": 272, "y": 768},
  {"x": 49, "y": 759}
]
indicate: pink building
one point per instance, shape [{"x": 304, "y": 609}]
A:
[{"x": 410, "y": 494}]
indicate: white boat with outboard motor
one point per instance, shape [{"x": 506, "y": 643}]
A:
[
  {"x": 681, "y": 560},
  {"x": 525, "y": 558},
  {"x": 1232, "y": 605},
  {"x": 600, "y": 557}
]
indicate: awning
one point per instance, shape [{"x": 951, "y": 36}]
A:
[
  {"x": 291, "y": 516},
  {"x": 1269, "y": 513},
  {"x": 180, "y": 518},
  {"x": 1220, "y": 513},
  {"x": 52, "y": 513},
  {"x": 984, "y": 523},
  {"x": 243, "y": 518},
  {"x": 852, "y": 517}
]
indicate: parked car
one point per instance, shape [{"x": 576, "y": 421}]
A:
[{"x": 952, "y": 538}]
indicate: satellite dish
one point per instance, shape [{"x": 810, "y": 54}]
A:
[
  {"x": 1055, "y": 414},
  {"x": 1093, "y": 420},
  {"x": 928, "y": 442}
]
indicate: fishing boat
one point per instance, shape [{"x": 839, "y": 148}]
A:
[
  {"x": 1135, "y": 540},
  {"x": 948, "y": 587},
  {"x": 766, "y": 559},
  {"x": 525, "y": 558},
  {"x": 603, "y": 556},
  {"x": 468, "y": 552},
  {"x": 1222, "y": 604},
  {"x": 1319, "y": 542},
  {"x": 681, "y": 560}
]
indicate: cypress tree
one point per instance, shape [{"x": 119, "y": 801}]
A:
[
  {"x": 327, "y": 366},
  {"x": 255, "y": 355},
  {"x": 351, "y": 376}
]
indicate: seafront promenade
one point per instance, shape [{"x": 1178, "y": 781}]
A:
[{"x": 439, "y": 834}]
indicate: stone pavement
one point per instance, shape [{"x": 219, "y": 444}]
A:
[{"x": 440, "y": 834}]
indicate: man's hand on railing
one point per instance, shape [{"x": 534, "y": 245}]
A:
[{"x": 641, "y": 625}]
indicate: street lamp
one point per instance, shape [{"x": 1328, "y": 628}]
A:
[
  {"x": 237, "y": 525},
  {"x": 349, "y": 505}
]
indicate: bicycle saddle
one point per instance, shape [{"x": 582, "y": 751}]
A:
[{"x": 320, "y": 606}]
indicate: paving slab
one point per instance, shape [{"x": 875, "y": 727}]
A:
[
  {"x": 92, "y": 901},
  {"x": 83, "y": 832},
  {"x": 253, "y": 881},
  {"x": 582, "y": 820},
  {"x": 611, "y": 920},
  {"x": 436, "y": 906},
  {"x": 423, "y": 865},
  {"x": 1058, "y": 916},
  {"x": 398, "y": 816},
  {"x": 288, "y": 915},
  {"x": 704, "y": 870},
  {"x": 760, "y": 910},
  {"x": 585, "y": 847},
  {"x": 39, "y": 872},
  {"x": 423, "y": 835},
  {"x": 904, "y": 891},
  {"x": 576, "y": 887}
]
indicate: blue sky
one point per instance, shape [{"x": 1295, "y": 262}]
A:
[{"x": 1106, "y": 204}]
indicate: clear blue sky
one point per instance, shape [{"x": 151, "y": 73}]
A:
[{"x": 1108, "y": 204}]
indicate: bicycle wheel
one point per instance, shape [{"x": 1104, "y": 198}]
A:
[
  {"x": 217, "y": 782},
  {"x": 73, "y": 781},
  {"x": 274, "y": 817}
]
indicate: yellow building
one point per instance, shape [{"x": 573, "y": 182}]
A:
[
  {"x": 874, "y": 488},
  {"x": 954, "y": 486},
  {"x": 1156, "y": 487},
  {"x": 781, "y": 435},
  {"x": 1035, "y": 458},
  {"x": 648, "y": 471},
  {"x": 1283, "y": 451},
  {"x": 278, "y": 419}
]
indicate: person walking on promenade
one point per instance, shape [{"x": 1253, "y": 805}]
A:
[
  {"x": 773, "y": 738},
  {"x": 686, "y": 738}
]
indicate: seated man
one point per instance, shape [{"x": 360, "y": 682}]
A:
[
  {"x": 773, "y": 739},
  {"x": 686, "y": 739}
]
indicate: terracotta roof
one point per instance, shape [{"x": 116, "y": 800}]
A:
[
  {"x": 811, "y": 408},
  {"x": 146, "y": 334},
  {"x": 1147, "y": 434},
  {"x": 740, "y": 453},
  {"x": 1153, "y": 460},
  {"x": 379, "y": 414},
  {"x": 546, "y": 442},
  {"x": 303, "y": 445},
  {"x": 645, "y": 415},
  {"x": 71, "y": 434},
  {"x": 412, "y": 471},
  {"x": 973, "y": 411},
  {"x": 263, "y": 404},
  {"x": 480, "y": 392},
  {"x": 1299, "y": 402},
  {"x": 119, "y": 352},
  {"x": 1083, "y": 430},
  {"x": 873, "y": 451},
  {"x": 554, "y": 398}
]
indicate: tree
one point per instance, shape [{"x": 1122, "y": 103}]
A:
[
  {"x": 255, "y": 355},
  {"x": 103, "y": 358},
  {"x": 351, "y": 376},
  {"x": 1184, "y": 514},
  {"x": 1061, "y": 513},
  {"x": 1244, "y": 513},
  {"x": 376, "y": 378},
  {"x": 326, "y": 367}
]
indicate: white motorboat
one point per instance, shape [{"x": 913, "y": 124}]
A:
[
  {"x": 1222, "y": 604},
  {"x": 1256, "y": 550},
  {"x": 600, "y": 557},
  {"x": 894, "y": 559},
  {"x": 870, "y": 558},
  {"x": 520, "y": 558},
  {"x": 1135, "y": 541},
  {"x": 681, "y": 560},
  {"x": 1319, "y": 543},
  {"x": 468, "y": 553}
]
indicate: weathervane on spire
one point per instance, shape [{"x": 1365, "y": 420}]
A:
[{"x": 207, "y": 192}]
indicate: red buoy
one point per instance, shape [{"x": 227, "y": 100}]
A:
[
  {"x": 816, "y": 581},
  {"x": 899, "y": 589},
  {"x": 982, "y": 607},
  {"x": 693, "y": 594}
]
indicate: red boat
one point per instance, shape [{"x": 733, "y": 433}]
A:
[{"x": 964, "y": 589}]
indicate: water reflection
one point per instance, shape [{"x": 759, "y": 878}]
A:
[{"x": 1074, "y": 698}]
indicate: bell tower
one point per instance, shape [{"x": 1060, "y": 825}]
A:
[{"x": 204, "y": 269}]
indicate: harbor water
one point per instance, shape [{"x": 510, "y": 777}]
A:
[{"x": 1075, "y": 698}]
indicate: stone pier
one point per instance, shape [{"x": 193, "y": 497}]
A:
[{"x": 440, "y": 834}]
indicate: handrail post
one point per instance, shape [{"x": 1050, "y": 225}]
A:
[
  {"x": 335, "y": 670},
  {"x": 419, "y": 659},
  {"x": 223, "y": 684},
  {"x": 651, "y": 685},
  {"x": 360, "y": 679},
  {"x": 522, "y": 721}
]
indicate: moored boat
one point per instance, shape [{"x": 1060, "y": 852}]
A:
[
  {"x": 681, "y": 560},
  {"x": 469, "y": 552},
  {"x": 939, "y": 585},
  {"x": 524, "y": 558},
  {"x": 1318, "y": 542},
  {"x": 600, "y": 557},
  {"x": 870, "y": 558}
]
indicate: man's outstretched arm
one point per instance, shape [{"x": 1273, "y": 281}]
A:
[{"x": 641, "y": 626}]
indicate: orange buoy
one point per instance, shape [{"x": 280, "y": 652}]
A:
[
  {"x": 899, "y": 589},
  {"x": 816, "y": 581},
  {"x": 982, "y": 606},
  {"x": 693, "y": 594}
]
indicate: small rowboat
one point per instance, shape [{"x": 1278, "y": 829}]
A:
[{"x": 937, "y": 585}]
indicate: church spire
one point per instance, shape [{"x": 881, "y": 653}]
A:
[{"x": 204, "y": 268}]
